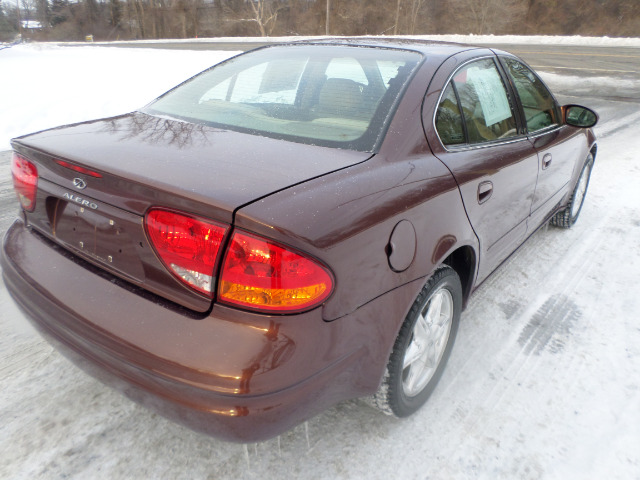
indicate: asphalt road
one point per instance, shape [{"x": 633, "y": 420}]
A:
[
  {"x": 542, "y": 382},
  {"x": 592, "y": 61}
]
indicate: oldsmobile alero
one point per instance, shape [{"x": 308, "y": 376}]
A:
[{"x": 296, "y": 226}]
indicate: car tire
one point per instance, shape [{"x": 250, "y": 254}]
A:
[
  {"x": 421, "y": 351},
  {"x": 569, "y": 215}
]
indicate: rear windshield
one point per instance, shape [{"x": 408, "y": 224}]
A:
[{"x": 336, "y": 96}]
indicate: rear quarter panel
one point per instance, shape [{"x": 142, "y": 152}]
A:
[{"x": 346, "y": 218}]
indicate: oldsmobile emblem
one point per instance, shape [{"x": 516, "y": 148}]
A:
[{"x": 79, "y": 183}]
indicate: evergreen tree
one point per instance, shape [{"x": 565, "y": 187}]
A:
[
  {"x": 8, "y": 28},
  {"x": 59, "y": 11}
]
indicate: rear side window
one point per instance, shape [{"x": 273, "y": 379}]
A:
[
  {"x": 449, "y": 119},
  {"x": 475, "y": 107},
  {"x": 325, "y": 95},
  {"x": 540, "y": 108}
]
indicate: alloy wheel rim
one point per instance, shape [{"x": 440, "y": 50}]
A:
[
  {"x": 581, "y": 190},
  {"x": 428, "y": 342}
]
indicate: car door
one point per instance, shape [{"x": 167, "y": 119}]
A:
[
  {"x": 472, "y": 126},
  {"x": 557, "y": 145}
]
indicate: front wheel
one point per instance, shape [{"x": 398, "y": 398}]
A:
[
  {"x": 423, "y": 345},
  {"x": 567, "y": 217}
]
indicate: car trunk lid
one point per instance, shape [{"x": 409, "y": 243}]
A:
[{"x": 142, "y": 161}]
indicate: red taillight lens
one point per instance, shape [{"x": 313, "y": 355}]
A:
[
  {"x": 25, "y": 181},
  {"x": 188, "y": 246},
  {"x": 263, "y": 275}
]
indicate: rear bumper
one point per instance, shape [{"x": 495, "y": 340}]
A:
[{"x": 232, "y": 374}]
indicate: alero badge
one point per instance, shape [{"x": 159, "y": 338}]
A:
[
  {"x": 83, "y": 202},
  {"x": 79, "y": 183}
]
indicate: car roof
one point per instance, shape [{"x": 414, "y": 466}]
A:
[{"x": 431, "y": 48}]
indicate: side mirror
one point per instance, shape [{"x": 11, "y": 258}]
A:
[{"x": 579, "y": 116}]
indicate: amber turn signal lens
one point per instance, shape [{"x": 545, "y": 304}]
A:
[{"x": 262, "y": 275}]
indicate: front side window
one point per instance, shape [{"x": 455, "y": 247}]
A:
[
  {"x": 475, "y": 105},
  {"x": 325, "y": 95},
  {"x": 540, "y": 109}
]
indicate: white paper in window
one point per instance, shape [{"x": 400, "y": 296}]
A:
[{"x": 491, "y": 94}]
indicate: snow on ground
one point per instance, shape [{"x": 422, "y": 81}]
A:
[
  {"x": 586, "y": 83},
  {"x": 44, "y": 85},
  {"x": 542, "y": 383}
]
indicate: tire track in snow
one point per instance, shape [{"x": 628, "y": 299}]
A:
[
  {"x": 547, "y": 316},
  {"x": 539, "y": 315},
  {"x": 547, "y": 328}
]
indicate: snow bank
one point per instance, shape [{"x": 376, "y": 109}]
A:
[
  {"x": 585, "y": 85},
  {"x": 44, "y": 85}
]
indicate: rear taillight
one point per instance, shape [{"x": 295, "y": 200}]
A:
[
  {"x": 187, "y": 245},
  {"x": 25, "y": 181},
  {"x": 262, "y": 275},
  {"x": 256, "y": 274}
]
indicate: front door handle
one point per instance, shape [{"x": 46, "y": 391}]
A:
[
  {"x": 546, "y": 161},
  {"x": 485, "y": 190}
]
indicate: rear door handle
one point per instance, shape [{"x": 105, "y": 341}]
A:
[
  {"x": 485, "y": 190},
  {"x": 546, "y": 161}
]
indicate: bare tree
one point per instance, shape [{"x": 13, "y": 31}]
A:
[
  {"x": 106, "y": 19},
  {"x": 28, "y": 7},
  {"x": 395, "y": 25},
  {"x": 416, "y": 6},
  {"x": 138, "y": 10},
  {"x": 487, "y": 16},
  {"x": 326, "y": 30},
  {"x": 265, "y": 14}
]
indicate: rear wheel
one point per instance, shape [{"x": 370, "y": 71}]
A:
[
  {"x": 423, "y": 346},
  {"x": 567, "y": 217}
]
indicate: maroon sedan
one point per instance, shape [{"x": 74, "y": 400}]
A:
[{"x": 297, "y": 226}]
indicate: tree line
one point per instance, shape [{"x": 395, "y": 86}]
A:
[{"x": 62, "y": 20}]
